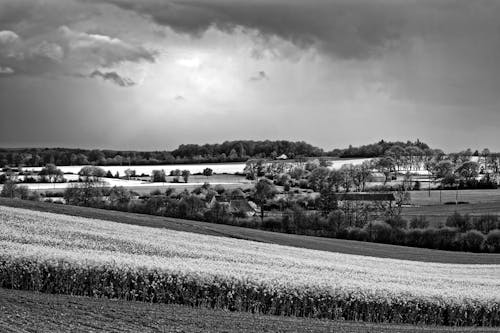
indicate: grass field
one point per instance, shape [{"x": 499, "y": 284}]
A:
[
  {"x": 440, "y": 197},
  {"x": 308, "y": 242},
  {"x": 22, "y": 311},
  {"x": 72, "y": 255},
  {"x": 477, "y": 202}
]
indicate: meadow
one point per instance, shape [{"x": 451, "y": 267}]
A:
[{"x": 78, "y": 256}]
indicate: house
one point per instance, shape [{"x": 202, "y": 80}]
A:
[
  {"x": 377, "y": 177},
  {"x": 241, "y": 206},
  {"x": 282, "y": 157},
  {"x": 234, "y": 205}
]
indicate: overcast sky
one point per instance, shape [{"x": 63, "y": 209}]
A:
[{"x": 153, "y": 74}]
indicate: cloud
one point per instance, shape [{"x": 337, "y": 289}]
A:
[
  {"x": 113, "y": 77},
  {"x": 8, "y": 37},
  {"x": 65, "y": 51},
  {"x": 260, "y": 76},
  {"x": 102, "y": 50},
  {"x": 179, "y": 98},
  {"x": 345, "y": 29},
  {"x": 6, "y": 70}
]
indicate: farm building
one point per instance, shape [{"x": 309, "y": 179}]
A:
[
  {"x": 363, "y": 196},
  {"x": 377, "y": 177},
  {"x": 282, "y": 157},
  {"x": 235, "y": 205}
]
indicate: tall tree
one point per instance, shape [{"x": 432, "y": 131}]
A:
[{"x": 263, "y": 191}]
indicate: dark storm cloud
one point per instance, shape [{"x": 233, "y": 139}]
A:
[
  {"x": 34, "y": 40},
  {"x": 113, "y": 77},
  {"x": 347, "y": 29}
]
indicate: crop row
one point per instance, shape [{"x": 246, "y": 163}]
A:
[
  {"x": 68, "y": 255},
  {"x": 63, "y": 277}
]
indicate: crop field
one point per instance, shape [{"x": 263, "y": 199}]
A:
[
  {"x": 300, "y": 241},
  {"x": 71, "y": 255},
  {"x": 23, "y": 311}
]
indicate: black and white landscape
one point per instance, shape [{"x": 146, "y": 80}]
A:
[{"x": 249, "y": 166}]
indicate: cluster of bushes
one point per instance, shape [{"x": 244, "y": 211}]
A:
[{"x": 461, "y": 233}]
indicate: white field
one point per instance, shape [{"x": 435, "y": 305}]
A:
[
  {"x": 219, "y": 168},
  {"x": 25, "y": 233}
]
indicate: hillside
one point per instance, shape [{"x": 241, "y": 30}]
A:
[{"x": 308, "y": 242}]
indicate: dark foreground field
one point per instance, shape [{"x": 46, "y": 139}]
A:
[
  {"x": 316, "y": 243},
  {"x": 23, "y": 311}
]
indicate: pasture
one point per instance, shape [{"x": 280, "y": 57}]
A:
[
  {"x": 477, "y": 202},
  {"x": 72, "y": 255}
]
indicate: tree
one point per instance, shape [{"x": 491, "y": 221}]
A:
[
  {"x": 385, "y": 165},
  {"x": 119, "y": 197},
  {"x": 129, "y": 173},
  {"x": 346, "y": 172},
  {"x": 468, "y": 170},
  {"x": 159, "y": 176},
  {"x": 9, "y": 189},
  {"x": 185, "y": 175},
  {"x": 263, "y": 191},
  {"x": 52, "y": 173},
  {"x": 207, "y": 172},
  {"x": 91, "y": 173}
]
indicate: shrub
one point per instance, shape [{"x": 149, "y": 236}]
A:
[
  {"x": 445, "y": 238},
  {"x": 419, "y": 222},
  {"x": 485, "y": 223},
  {"x": 397, "y": 222},
  {"x": 379, "y": 231},
  {"x": 461, "y": 222},
  {"x": 271, "y": 223},
  {"x": 357, "y": 234},
  {"x": 472, "y": 240},
  {"x": 413, "y": 237},
  {"x": 493, "y": 240}
]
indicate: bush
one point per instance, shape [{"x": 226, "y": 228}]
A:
[
  {"x": 485, "y": 223},
  {"x": 419, "y": 222},
  {"x": 461, "y": 222},
  {"x": 492, "y": 242},
  {"x": 34, "y": 196},
  {"x": 445, "y": 238},
  {"x": 397, "y": 222},
  {"x": 472, "y": 240},
  {"x": 379, "y": 232},
  {"x": 413, "y": 237},
  {"x": 270, "y": 223},
  {"x": 357, "y": 234}
]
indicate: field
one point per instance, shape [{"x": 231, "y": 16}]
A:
[
  {"x": 229, "y": 181},
  {"x": 72, "y": 255},
  {"x": 478, "y": 202},
  {"x": 307, "y": 242},
  {"x": 23, "y": 311},
  {"x": 422, "y": 198}
]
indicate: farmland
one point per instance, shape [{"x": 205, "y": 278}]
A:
[
  {"x": 59, "y": 313},
  {"x": 307, "y": 242},
  {"x": 62, "y": 254},
  {"x": 475, "y": 202}
]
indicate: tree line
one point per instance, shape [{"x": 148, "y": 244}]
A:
[{"x": 228, "y": 151}]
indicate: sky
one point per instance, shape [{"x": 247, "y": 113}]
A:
[{"x": 153, "y": 74}]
